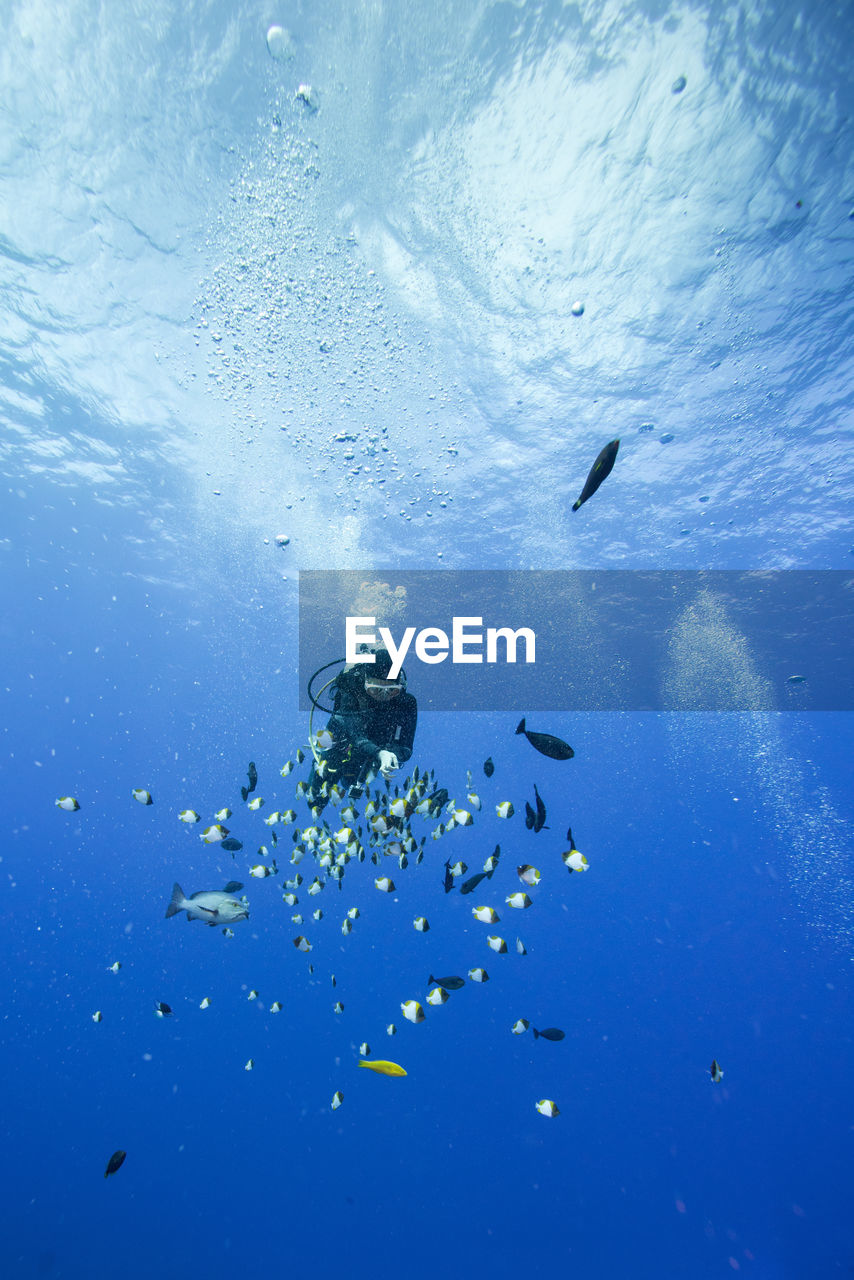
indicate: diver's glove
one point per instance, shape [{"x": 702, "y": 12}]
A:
[{"x": 388, "y": 764}]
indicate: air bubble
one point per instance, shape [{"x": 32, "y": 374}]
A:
[{"x": 279, "y": 44}]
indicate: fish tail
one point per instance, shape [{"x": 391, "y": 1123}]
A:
[
  {"x": 177, "y": 901},
  {"x": 536, "y": 1033},
  {"x": 520, "y": 728}
]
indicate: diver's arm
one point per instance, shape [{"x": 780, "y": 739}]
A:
[
  {"x": 346, "y": 729},
  {"x": 402, "y": 745},
  {"x": 347, "y": 725}
]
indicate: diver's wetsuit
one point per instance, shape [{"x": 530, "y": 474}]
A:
[{"x": 362, "y": 727}]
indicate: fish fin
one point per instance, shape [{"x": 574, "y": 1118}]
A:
[
  {"x": 576, "y": 505},
  {"x": 520, "y": 728},
  {"x": 175, "y": 904},
  {"x": 536, "y": 1033}
]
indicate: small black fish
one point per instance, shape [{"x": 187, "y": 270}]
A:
[
  {"x": 449, "y": 879},
  {"x": 450, "y": 984},
  {"x": 549, "y": 1033},
  {"x": 488, "y": 767},
  {"x": 438, "y": 800},
  {"x": 473, "y": 881},
  {"x": 252, "y": 774},
  {"x": 233, "y": 886},
  {"x": 546, "y": 743},
  {"x": 231, "y": 845},
  {"x": 115, "y": 1162},
  {"x": 570, "y": 839},
  {"x": 530, "y": 817},
  {"x": 715, "y": 1071},
  {"x": 162, "y": 1009},
  {"x": 600, "y": 470},
  {"x": 540, "y": 821}
]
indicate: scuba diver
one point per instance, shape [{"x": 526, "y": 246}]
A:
[{"x": 372, "y": 727}]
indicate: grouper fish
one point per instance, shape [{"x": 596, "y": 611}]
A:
[{"x": 214, "y": 906}]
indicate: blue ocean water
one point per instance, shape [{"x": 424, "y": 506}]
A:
[{"x": 318, "y": 282}]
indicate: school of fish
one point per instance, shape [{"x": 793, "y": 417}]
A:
[{"x": 344, "y": 831}]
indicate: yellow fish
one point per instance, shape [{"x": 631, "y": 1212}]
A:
[{"x": 383, "y": 1068}]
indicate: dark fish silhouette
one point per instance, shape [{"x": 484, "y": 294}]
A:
[
  {"x": 437, "y": 801},
  {"x": 449, "y": 879},
  {"x": 450, "y": 984},
  {"x": 252, "y": 774},
  {"x": 162, "y": 1009},
  {"x": 115, "y": 1162},
  {"x": 715, "y": 1071},
  {"x": 600, "y": 470},
  {"x": 473, "y": 881},
  {"x": 549, "y": 1033},
  {"x": 530, "y": 817},
  {"x": 488, "y": 767},
  {"x": 233, "y": 886},
  {"x": 540, "y": 820},
  {"x": 547, "y": 744},
  {"x": 231, "y": 845}
]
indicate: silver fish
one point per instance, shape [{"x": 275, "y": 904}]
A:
[{"x": 214, "y": 906}]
